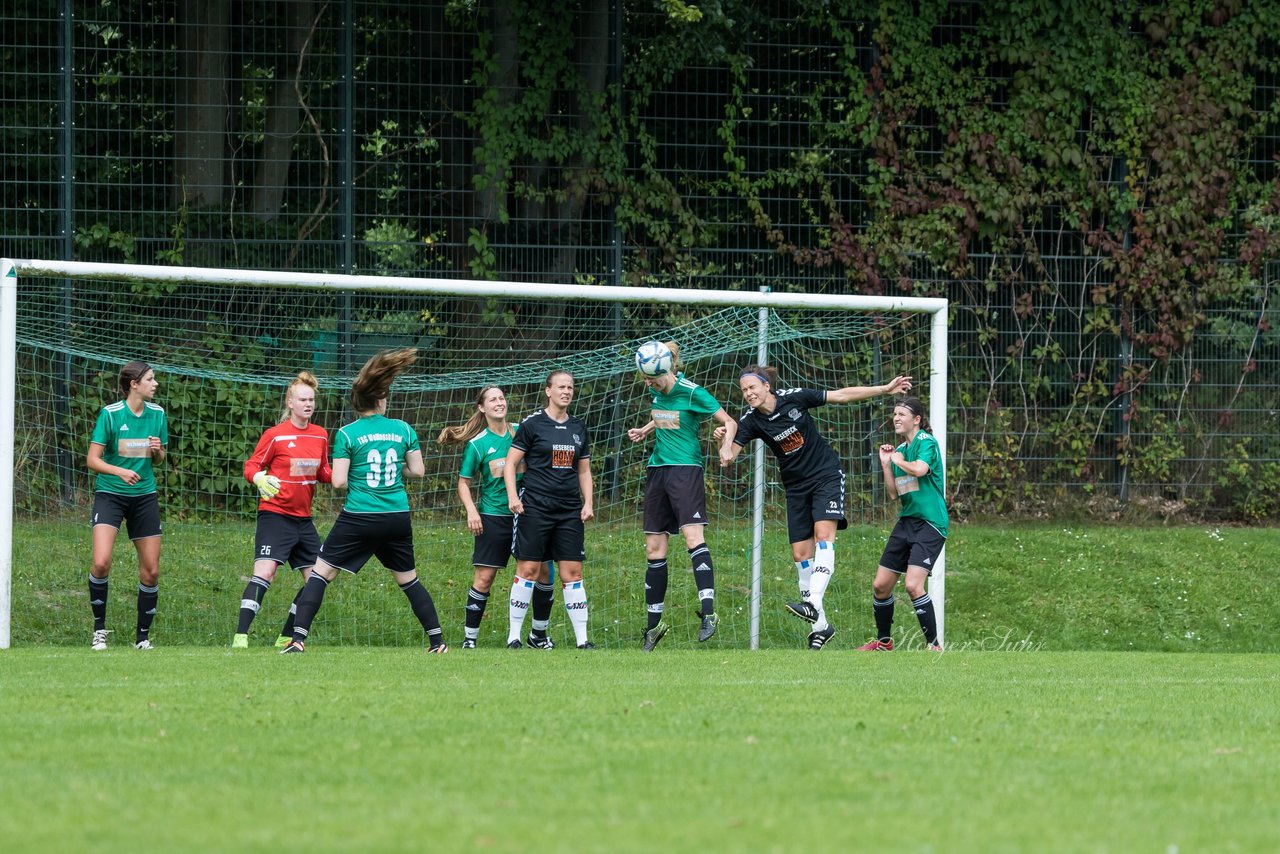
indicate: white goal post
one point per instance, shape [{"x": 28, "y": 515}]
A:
[{"x": 12, "y": 271}]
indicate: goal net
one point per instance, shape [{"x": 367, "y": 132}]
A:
[{"x": 224, "y": 345}]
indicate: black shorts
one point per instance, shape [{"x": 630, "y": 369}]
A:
[
  {"x": 674, "y": 496},
  {"x": 543, "y": 536},
  {"x": 356, "y": 537},
  {"x": 815, "y": 502},
  {"x": 493, "y": 547},
  {"x": 914, "y": 542},
  {"x": 286, "y": 539},
  {"x": 141, "y": 513}
]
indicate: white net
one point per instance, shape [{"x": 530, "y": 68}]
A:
[{"x": 224, "y": 353}]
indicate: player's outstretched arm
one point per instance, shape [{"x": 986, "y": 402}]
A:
[{"x": 851, "y": 394}]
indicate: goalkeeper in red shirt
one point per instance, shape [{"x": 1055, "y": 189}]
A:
[{"x": 289, "y": 460}]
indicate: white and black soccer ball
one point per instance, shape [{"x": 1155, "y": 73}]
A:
[{"x": 653, "y": 359}]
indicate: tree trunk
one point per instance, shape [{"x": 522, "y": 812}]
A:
[
  {"x": 284, "y": 114},
  {"x": 200, "y": 144}
]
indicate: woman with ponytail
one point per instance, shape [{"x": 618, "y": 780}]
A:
[
  {"x": 488, "y": 435},
  {"x": 371, "y": 457}
]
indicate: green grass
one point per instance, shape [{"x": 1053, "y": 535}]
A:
[
  {"x": 706, "y": 750},
  {"x": 1042, "y": 586}
]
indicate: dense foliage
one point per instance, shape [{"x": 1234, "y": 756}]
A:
[{"x": 1092, "y": 184}]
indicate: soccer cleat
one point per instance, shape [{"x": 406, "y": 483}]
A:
[
  {"x": 99, "y": 640},
  {"x": 439, "y": 649},
  {"x": 935, "y": 647},
  {"x": 710, "y": 622},
  {"x": 587, "y": 645},
  {"x": 877, "y": 645},
  {"x": 143, "y": 644},
  {"x": 514, "y": 644},
  {"x": 239, "y": 641},
  {"x": 283, "y": 641},
  {"x": 469, "y": 643},
  {"x": 540, "y": 642},
  {"x": 817, "y": 640},
  {"x": 294, "y": 647},
  {"x": 803, "y": 610},
  {"x": 654, "y": 635}
]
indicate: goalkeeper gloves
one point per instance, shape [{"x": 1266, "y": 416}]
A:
[{"x": 268, "y": 485}]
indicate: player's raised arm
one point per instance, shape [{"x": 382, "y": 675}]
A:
[{"x": 851, "y": 394}]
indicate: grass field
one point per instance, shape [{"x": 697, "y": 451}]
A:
[
  {"x": 388, "y": 749},
  {"x": 1077, "y": 708},
  {"x": 1054, "y": 587}
]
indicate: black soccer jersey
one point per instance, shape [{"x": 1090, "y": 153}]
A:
[
  {"x": 552, "y": 452},
  {"x": 803, "y": 455}
]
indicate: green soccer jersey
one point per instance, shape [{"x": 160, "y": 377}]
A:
[
  {"x": 678, "y": 416},
  {"x": 922, "y": 498},
  {"x": 377, "y": 447},
  {"x": 126, "y": 442},
  {"x": 484, "y": 459}
]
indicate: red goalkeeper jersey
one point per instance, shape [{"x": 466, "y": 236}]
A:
[{"x": 299, "y": 458}]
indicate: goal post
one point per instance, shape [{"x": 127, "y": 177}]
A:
[{"x": 214, "y": 334}]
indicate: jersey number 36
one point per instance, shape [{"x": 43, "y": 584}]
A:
[{"x": 381, "y": 471}]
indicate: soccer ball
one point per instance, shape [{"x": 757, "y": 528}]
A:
[{"x": 653, "y": 359}]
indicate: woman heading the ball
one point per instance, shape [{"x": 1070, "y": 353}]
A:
[
  {"x": 675, "y": 495},
  {"x": 287, "y": 463},
  {"x": 552, "y": 504},
  {"x": 128, "y": 438},
  {"x": 811, "y": 475},
  {"x": 912, "y": 474},
  {"x": 371, "y": 457},
  {"x": 488, "y": 435}
]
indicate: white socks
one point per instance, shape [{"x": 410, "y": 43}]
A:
[
  {"x": 575, "y": 602},
  {"x": 804, "y": 571},
  {"x": 521, "y": 596},
  {"x": 824, "y": 564}
]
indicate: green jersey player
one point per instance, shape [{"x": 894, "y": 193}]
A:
[
  {"x": 371, "y": 458},
  {"x": 488, "y": 436},
  {"x": 675, "y": 496},
  {"x": 128, "y": 438},
  {"x": 913, "y": 474}
]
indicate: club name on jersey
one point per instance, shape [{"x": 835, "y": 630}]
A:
[{"x": 379, "y": 437}]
